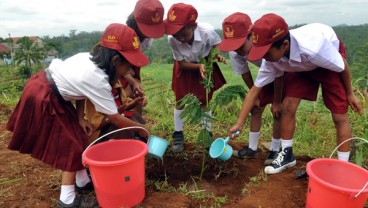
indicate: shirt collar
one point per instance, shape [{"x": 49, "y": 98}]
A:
[{"x": 197, "y": 35}]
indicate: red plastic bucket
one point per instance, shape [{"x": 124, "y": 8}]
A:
[
  {"x": 117, "y": 171},
  {"x": 334, "y": 183}
]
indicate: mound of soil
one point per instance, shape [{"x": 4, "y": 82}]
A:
[{"x": 171, "y": 182}]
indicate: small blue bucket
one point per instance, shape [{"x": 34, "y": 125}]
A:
[
  {"x": 157, "y": 146},
  {"x": 220, "y": 149}
]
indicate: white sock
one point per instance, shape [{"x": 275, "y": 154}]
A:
[
  {"x": 253, "y": 140},
  {"x": 81, "y": 178},
  {"x": 286, "y": 143},
  {"x": 344, "y": 156},
  {"x": 275, "y": 144},
  {"x": 67, "y": 194},
  {"x": 178, "y": 122},
  {"x": 204, "y": 120}
]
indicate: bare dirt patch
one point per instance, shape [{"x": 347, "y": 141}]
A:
[{"x": 171, "y": 182}]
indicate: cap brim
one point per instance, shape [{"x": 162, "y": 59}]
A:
[
  {"x": 231, "y": 44},
  {"x": 257, "y": 53},
  {"x": 171, "y": 29},
  {"x": 136, "y": 58},
  {"x": 153, "y": 30}
]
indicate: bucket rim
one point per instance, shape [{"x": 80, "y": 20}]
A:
[
  {"x": 330, "y": 185},
  {"x": 158, "y": 138},
  {"x": 92, "y": 162}
]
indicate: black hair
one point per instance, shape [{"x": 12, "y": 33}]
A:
[
  {"x": 132, "y": 23},
  {"x": 279, "y": 43},
  {"x": 103, "y": 56},
  {"x": 249, "y": 36}
]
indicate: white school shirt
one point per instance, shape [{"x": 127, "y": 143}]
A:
[
  {"x": 240, "y": 63},
  {"x": 78, "y": 78},
  {"x": 311, "y": 46},
  {"x": 205, "y": 37}
]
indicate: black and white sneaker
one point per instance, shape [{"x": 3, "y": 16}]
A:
[
  {"x": 271, "y": 156},
  {"x": 285, "y": 159}
]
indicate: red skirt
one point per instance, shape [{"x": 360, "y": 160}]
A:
[
  {"x": 46, "y": 127},
  {"x": 188, "y": 81}
]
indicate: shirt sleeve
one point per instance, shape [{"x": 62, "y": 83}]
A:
[
  {"x": 215, "y": 38},
  {"x": 176, "y": 54},
  {"x": 239, "y": 64},
  {"x": 267, "y": 73}
]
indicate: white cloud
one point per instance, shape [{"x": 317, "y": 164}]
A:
[{"x": 56, "y": 17}]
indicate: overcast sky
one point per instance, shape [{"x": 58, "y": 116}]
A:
[{"x": 58, "y": 17}]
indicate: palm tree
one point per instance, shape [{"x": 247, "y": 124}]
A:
[{"x": 27, "y": 55}]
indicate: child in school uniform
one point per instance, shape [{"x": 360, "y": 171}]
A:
[
  {"x": 189, "y": 42},
  {"x": 147, "y": 21},
  {"x": 236, "y": 30},
  {"x": 312, "y": 55},
  {"x": 45, "y": 123}
]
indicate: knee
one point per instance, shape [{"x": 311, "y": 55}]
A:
[
  {"x": 289, "y": 108},
  {"x": 256, "y": 112},
  {"x": 340, "y": 119}
]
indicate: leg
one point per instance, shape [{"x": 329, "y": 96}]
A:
[
  {"x": 288, "y": 119},
  {"x": 250, "y": 151},
  {"x": 286, "y": 158},
  {"x": 178, "y": 136},
  {"x": 343, "y": 133},
  {"x": 67, "y": 194},
  {"x": 275, "y": 143}
]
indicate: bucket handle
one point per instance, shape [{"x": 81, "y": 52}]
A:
[
  {"x": 342, "y": 144},
  {"x": 111, "y": 132}
]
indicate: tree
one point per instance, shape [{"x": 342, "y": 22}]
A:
[{"x": 28, "y": 54}]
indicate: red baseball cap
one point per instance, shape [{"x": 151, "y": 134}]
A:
[
  {"x": 149, "y": 15},
  {"x": 235, "y": 29},
  {"x": 178, "y": 16},
  {"x": 123, "y": 39},
  {"x": 266, "y": 30}
]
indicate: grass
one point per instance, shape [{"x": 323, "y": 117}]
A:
[{"x": 314, "y": 135}]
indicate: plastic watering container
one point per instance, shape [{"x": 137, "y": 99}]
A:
[
  {"x": 157, "y": 146},
  {"x": 118, "y": 171},
  {"x": 334, "y": 183},
  {"x": 220, "y": 149}
]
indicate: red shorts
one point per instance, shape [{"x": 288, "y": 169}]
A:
[
  {"x": 266, "y": 96},
  {"x": 305, "y": 85}
]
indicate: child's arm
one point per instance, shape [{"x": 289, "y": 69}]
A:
[
  {"x": 121, "y": 121},
  {"x": 193, "y": 66},
  {"x": 352, "y": 99},
  {"x": 218, "y": 56},
  {"x": 137, "y": 87},
  {"x": 87, "y": 127}
]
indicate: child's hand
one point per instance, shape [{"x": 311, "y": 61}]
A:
[
  {"x": 232, "y": 130},
  {"x": 221, "y": 58},
  {"x": 137, "y": 89},
  {"x": 86, "y": 126},
  {"x": 143, "y": 101},
  {"x": 202, "y": 70},
  {"x": 354, "y": 103}
]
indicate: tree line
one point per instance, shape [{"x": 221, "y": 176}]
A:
[{"x": 355, "y": 39}]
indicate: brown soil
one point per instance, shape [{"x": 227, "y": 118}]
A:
[{"x": 171, "y": 182}]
